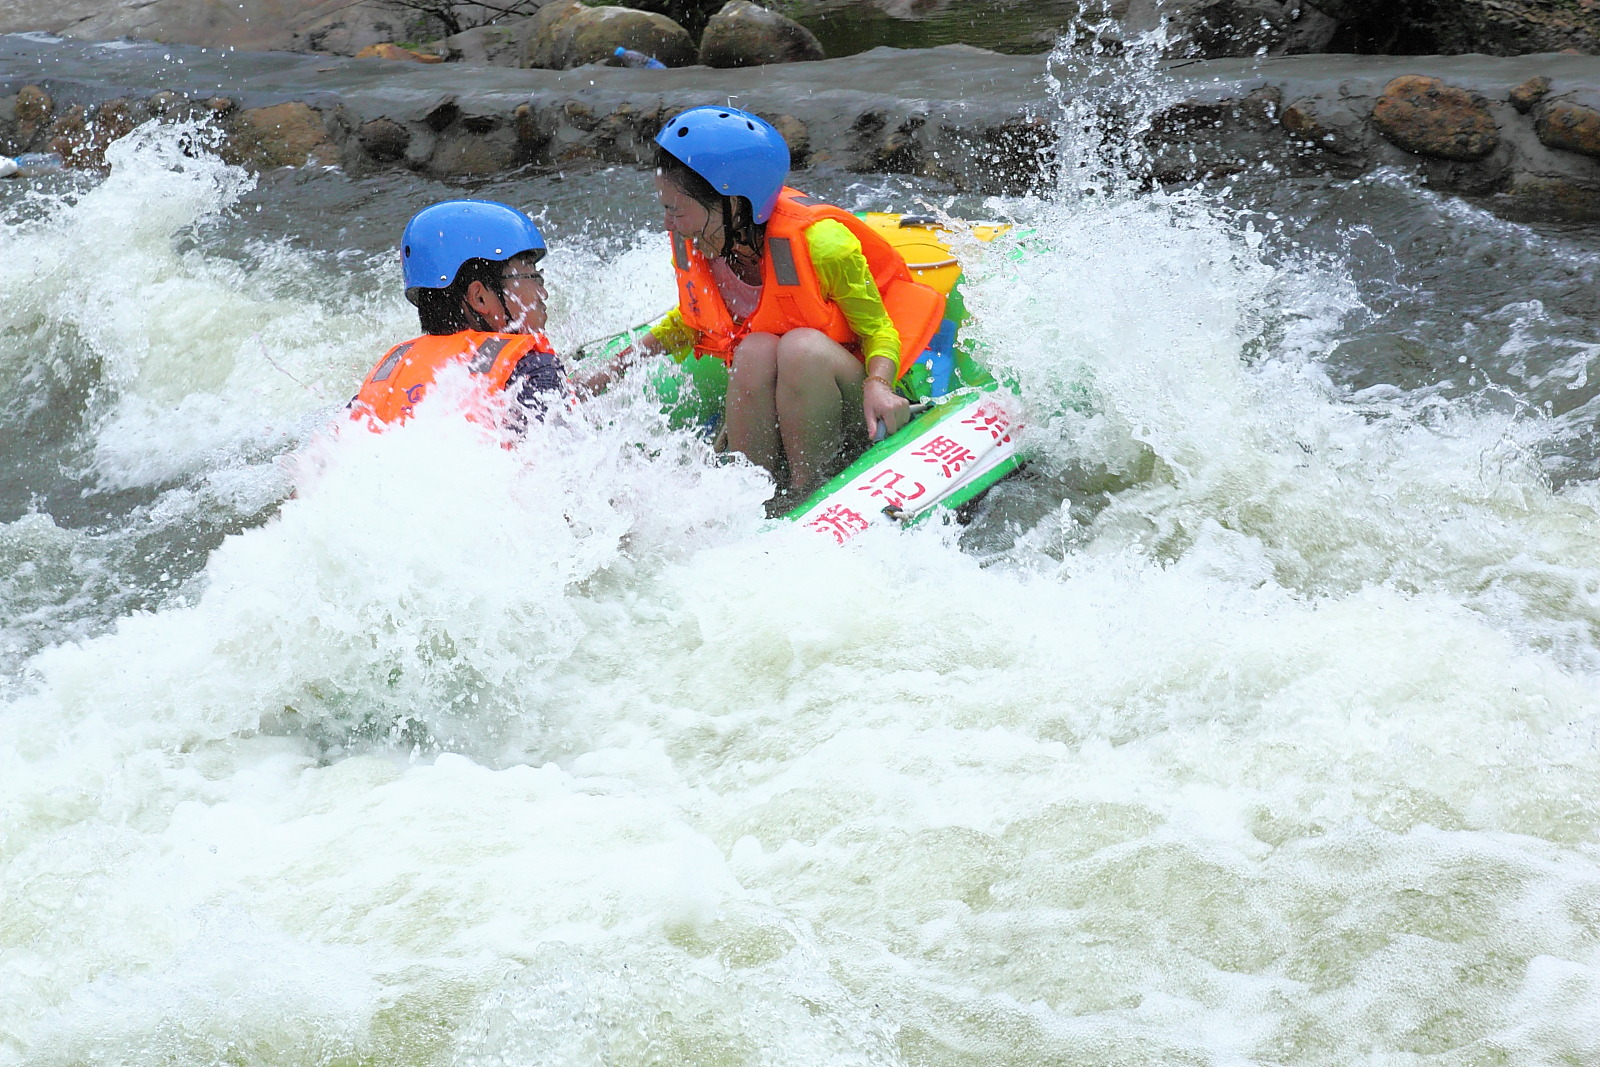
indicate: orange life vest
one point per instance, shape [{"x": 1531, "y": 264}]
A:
[
  {"x": 398, "y": 382},
  {"x": 792, "y": 296}
]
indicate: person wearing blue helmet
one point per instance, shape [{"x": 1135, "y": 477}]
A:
[
  {"x": 814, "y": 312},
  {"x": 471, "y": 269}
]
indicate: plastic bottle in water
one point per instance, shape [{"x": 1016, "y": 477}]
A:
[
  {"x": 627, "y": 57},
  {"x": 31, "y": 164}
]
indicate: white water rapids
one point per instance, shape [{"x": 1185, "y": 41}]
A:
[{"x": 1273, "y": 742}]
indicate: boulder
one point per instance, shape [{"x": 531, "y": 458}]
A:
[
  {"x": 283, "y": 135},
  {"x": 1429, "y": 118},
  {"x": 1568, "y": 124},
  {"x": 566, "y": 34},
  {"x": 744, "y": 35},
  {"x": 488, "y": 46}
]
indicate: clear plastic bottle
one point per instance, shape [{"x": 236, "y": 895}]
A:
[
  {"x": 31, "y": 164},
  {"x": 627, "y": 57}
]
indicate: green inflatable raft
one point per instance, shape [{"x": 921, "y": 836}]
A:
[{"x": 962, "y": 437}]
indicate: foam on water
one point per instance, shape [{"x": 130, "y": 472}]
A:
[{"x": 1274, "y": 743}]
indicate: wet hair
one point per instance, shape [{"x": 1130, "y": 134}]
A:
[
  {"x": 738, "y": 217},
  {"x": 445, "y": 311}
]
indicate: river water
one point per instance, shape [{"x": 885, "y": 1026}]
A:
[{"x": 1255, "y": 723}]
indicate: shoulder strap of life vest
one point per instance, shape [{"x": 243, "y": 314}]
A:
[
  {"x": 402, "y": 377},
  {"x": 796, "y": 294}
]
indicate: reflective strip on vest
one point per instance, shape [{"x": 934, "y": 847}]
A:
[
  {"x": 782, "y": 253},
  {"x": 808, "y": 201},
  {"x": 485, "y": 356},
  {"x": 680, "y": 252},
  {"x": 387, "y": 367}
]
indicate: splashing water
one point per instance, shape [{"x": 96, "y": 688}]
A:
[{"x": 1256, "y": 723}]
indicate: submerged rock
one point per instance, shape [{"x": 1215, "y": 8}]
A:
[
  {"x": 744, "y": 35},
  {"x": 566, "y": 34},
  {"x": 1428, "y": 117}
]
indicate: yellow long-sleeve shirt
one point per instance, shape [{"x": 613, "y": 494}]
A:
[{"x": 846, "y": 279}]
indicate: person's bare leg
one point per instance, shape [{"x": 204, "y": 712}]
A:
[
  {"x": 751, "y": 408},
  {"x": 819, "y": 384}
]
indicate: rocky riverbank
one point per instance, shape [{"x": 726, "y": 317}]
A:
[{"x": 1525, "y": 127}]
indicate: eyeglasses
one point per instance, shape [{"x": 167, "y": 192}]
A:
[{"x": 534, "y": 277}]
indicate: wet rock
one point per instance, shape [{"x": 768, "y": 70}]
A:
[
  {"x": 220, "y": 105},
  {"x": 8, "y": 126},
  {"x": 81, "y": 137},
  {"x": 795, "y": 135},
  {"x": 1569, "y": 125},
  {"x": 384, "y": 140},
  {"x": 533, "y": 128},
  {"x": 566, "y": 34},
  {"x": 69, "y": 137},
  {"x": 744, "y": 35},
  {"x": 488, "y": 46},
  {"x": 1329, "y": 125},
  {"x": 1459, "y": 27},
  {"x": 1429, "y": 118},
  {"x": 282, "y": 135},
  {"x": 467, "y": 154},
  {"x": 34, "y": 109},
  {"x": 1197, "y": 139},
  {"x": 1529, "y": 93},
  {"x": 387, "y": 50}
]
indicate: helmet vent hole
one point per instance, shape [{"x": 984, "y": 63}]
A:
[
  {"x": 408, "y": 250},
  {"x": 723, "y": 115},
  {"x": 683, "y": 131},
  {"x": 750, "y": 125}
]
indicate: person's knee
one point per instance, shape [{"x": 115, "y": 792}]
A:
[
  {"x": 809, "y": 353},
  {"x": 756, "y": 356}
]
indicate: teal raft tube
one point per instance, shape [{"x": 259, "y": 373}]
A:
[{"x": 962, "y": 437}]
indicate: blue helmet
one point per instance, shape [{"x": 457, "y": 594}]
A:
[
  {"x": 737, "y": 152},
  {"x": 442, "y": 236}
]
